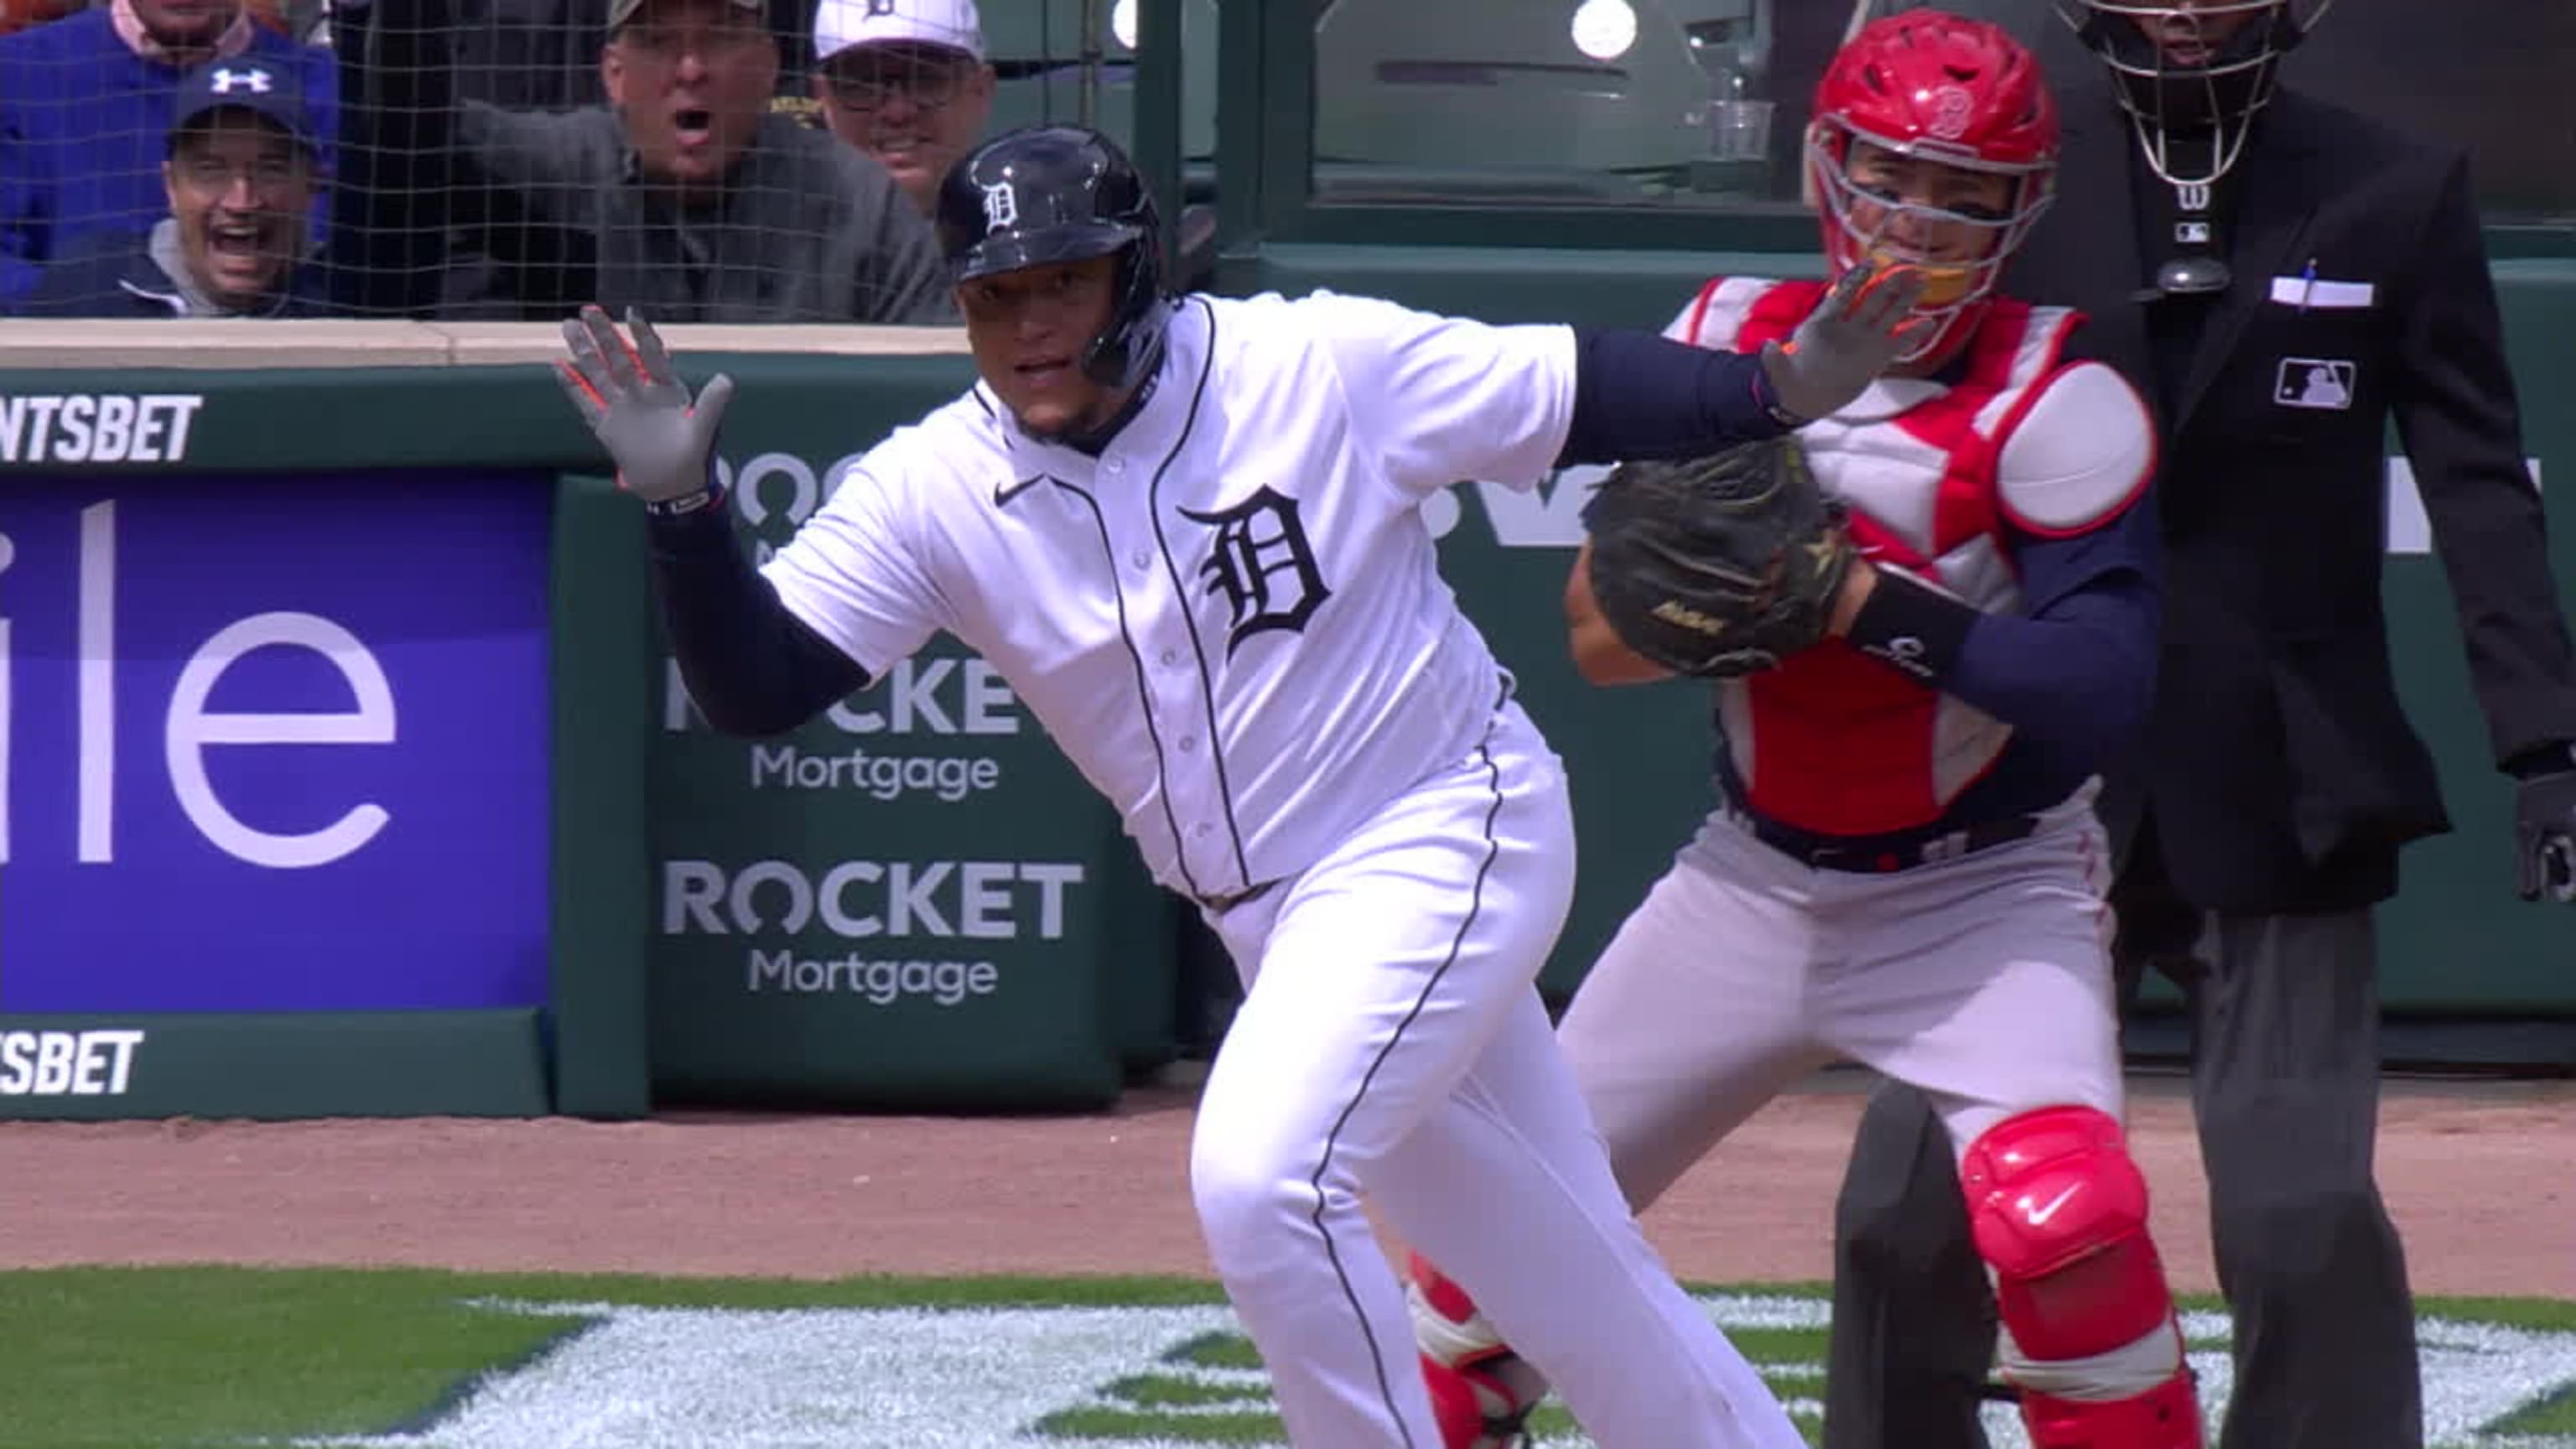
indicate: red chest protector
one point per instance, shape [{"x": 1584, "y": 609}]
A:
[{"x": 1832, "y": 741}]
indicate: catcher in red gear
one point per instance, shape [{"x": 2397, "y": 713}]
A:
[{"x": 1905, "y": 868}]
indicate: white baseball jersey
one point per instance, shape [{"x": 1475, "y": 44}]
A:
[{"x": 1232, "y": 620}]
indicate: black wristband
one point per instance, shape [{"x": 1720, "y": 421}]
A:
[
  {"x": 1911, "y": 627},
  {"x": 1767, "y": 395},
  {"x": 685, "y": 504},
  {"x": 700, "y": 533}
]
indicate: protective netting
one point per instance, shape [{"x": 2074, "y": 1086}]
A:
[
  {"x": 707, "y": 160},
  {"x": 471, "y": 158}
]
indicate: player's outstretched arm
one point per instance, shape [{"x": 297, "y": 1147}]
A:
[
  {"x": 2073, "y": 674},
  {"x": 753, "y": 667},
  {"x": 1640, "y": 396}
]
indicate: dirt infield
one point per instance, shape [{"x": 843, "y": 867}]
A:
[{"x": 2479, "y": 1177}]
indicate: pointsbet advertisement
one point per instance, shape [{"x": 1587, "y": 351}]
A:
[{"x": 268, "y": 745}]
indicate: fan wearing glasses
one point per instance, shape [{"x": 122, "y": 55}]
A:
[{"x": 906, "y": 82}]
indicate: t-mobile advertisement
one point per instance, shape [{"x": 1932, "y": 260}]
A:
[{"x": 273, "y": 744}]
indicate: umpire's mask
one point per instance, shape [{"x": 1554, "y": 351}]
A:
[{"x": 2192, "y": 74}]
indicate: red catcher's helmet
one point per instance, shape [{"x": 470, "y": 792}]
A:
[{"x": 1959, "y": 92}]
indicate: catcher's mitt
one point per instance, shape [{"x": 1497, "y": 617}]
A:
[{"x": 1719, "y": 565}]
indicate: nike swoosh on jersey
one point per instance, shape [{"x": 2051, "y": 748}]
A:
[{"x": 1004, "y": 494}]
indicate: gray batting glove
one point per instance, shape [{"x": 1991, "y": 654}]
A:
[
  {"x": 1857, "y": 332},
  {"x": 638, "y": 408}
]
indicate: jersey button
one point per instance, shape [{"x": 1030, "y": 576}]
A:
[
  {"x": 1140, "y": 558},
  {"x": 1202, "y": 830},
  {"x": 1189, "y": 743},
  {"x": 1171, "y": 657}
]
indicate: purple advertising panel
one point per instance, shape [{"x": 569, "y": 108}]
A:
[{"x": 273, "y": 744}]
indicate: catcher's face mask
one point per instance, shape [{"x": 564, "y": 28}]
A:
[
  {"x": 1934, "y": 144},
  {"x": 2192, "y": 74},
  {"x": 1955, "y": 223}
]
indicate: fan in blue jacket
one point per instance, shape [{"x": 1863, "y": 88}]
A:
[
  {"x": 240, "y": 175},
  {"x": 86, "y": 104}
]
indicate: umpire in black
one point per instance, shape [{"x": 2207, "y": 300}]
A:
[{"x": 2284, "y": 278}]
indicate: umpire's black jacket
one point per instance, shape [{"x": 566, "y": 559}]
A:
[{"x": 2279, "y": 770}]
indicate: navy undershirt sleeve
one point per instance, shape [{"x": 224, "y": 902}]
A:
[
  {"x": 1638, "y": 395},
  {"x": 2072, "y": 672},
  {"x": 751, "y": 665}
]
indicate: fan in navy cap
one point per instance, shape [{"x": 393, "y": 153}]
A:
[
  {"x": 246, "y": 84},
  {"x": 242, "y": 171}
]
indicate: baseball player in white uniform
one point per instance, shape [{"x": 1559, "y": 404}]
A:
[
  {"x": 1905, "y": 868},
  {"x": 1187, "y": 531}
]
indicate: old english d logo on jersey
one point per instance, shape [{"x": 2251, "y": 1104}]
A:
[
  {"x": 1262, "y": 564},
  {"x": 1244, "y": 716}
]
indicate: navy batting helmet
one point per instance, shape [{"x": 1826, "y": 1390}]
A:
[{"x": 1055, "y": 193}]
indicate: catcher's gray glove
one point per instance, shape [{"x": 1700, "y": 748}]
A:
[{"x": 1719, "y": 565}]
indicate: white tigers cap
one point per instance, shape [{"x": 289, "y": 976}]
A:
[{"x": 841, "y": 25}]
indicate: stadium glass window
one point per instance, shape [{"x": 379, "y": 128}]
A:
[
  {"x": 1665, "y": 104},
  {"x": 1040, "y": 67},
  {"x": 1658, "y": 103}
]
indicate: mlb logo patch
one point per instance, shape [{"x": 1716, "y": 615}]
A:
[{"x": 2315, "y": 382}]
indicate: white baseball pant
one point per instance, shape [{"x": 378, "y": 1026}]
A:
[{"x": 1391, "y": 1043}]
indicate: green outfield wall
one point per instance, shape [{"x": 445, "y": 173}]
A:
[
  {"x": 580, "y": 899},
  {"x": 2458, "y": 943}
]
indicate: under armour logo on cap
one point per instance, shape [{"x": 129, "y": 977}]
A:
[
  {"x": 880, "y": 7},
  {"x": 270, "y": 92},
  {"x": 227, "y": 80}
]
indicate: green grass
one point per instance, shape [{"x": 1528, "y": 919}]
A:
[
  {"x": 189, "y": 1358},
  {"x": 2549, "y": 1314},
  {"x": 1216, "y": 1350},
  {"x": 1150, "y": 1392},
  {"x": 1250, "y": 1427},
  {"x": 2553, "y": 1416},
  {"x": 178, "y": 1358},
  {"x": 103, "y": 1358}
]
